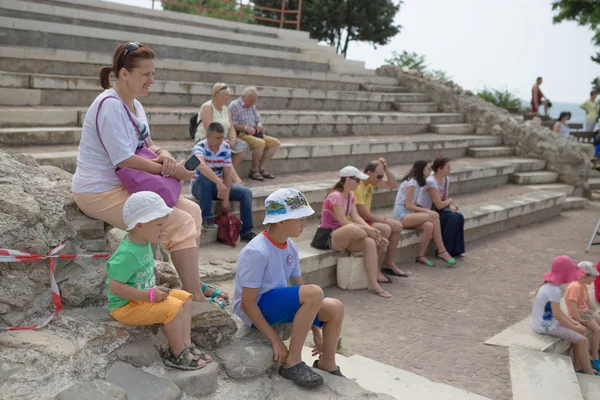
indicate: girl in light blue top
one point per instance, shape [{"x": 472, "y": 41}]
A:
[{"x": 411, "y": 215}]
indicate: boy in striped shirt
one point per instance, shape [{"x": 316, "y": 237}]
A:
[{"x": 214, "y": 181}]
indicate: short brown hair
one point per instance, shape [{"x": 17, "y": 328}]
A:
[
  {"x": 439, "y": 163},
  {"x": 120, "y": 61}
]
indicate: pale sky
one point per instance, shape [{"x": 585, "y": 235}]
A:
[{"x": 498, "y": 43}]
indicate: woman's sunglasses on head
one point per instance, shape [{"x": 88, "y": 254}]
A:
[{"x": 129, "y": 47}]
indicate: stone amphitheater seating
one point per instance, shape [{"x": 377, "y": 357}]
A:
[{"x": 328, "y": 112}]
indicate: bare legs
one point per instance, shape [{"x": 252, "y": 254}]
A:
[
  {"x": 581, "y": 354},
  {"x": 236, "y": 159},
  {"x": 176, "y": 335},
  {"x": 430, "y": 225},
  {"x": 266, "y": 157},
  {"x": 332, "y": 314},
  {"x": 393, "y": 240},
  {"x": 311, "y": 300},
  {"x": 186, "y": 264},
  {"x": 354, "y": 239}
]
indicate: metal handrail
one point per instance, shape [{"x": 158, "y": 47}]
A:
[{"x": 282, "y": 11}]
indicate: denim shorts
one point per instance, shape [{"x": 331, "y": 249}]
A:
[
  {"x": 400, "y": 211},
  {"x": 279, "y": 306}
]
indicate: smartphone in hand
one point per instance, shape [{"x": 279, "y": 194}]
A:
[{"x": 192, "y": 163}]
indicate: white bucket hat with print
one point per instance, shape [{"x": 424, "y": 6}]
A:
[{"x": 284, "y": 204}]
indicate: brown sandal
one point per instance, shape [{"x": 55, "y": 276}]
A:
[
  {"x": 256, "y": 176},
  {"x": 266, "y": 175}
]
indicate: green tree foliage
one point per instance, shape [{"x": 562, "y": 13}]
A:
[
  {"x": 415, "y": 62},
  {"x": 502, "y": 98},
  {"x": 339, "y": 22},
  {"x": 213, "y": 5},
  {"x": 407, "y": 60}
]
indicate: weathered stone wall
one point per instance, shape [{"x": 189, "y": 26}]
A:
[
  {"x": 37, "y": 213},
  {"x": 564, "y": 156}
]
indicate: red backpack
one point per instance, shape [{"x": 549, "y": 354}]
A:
[{"x": 229, "y": 227}]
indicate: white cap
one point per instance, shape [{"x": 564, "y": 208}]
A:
[
  {"x": 350, "y": 171},
  {"x": 284, "y": 204},
  {"x": 589, "y": 268},
  {"x": 142, "y": 207}
]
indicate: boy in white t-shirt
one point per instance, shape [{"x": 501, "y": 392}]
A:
[{"x": 263, "y": 298}]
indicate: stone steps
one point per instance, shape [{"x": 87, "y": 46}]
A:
[
  {"x": 594, "y": 183},
  {"x": 297, "y": 155},
  {"x": 18, "y": 89},
  {"x": 574, "y": 203},
  {"x": 556, "y": 187},
  {"x": 486, "y": 152},
  {"x": 452, "y": 129},
  {"x": 589, "y": 386},
  {"x": 65, "y": 35},
  {"x": 534, "y": 178},
  {"x": 416, "y": 107},
  {"x": 40, "y": 60},
  {"x": 466, "y": 177},
  {"x": 544, "y": 376},
  {"x": 382, "y": 378},
  {"x": 131, "y": 23},
  {"x": 486, "y": 218},
  {"x": 523, "y": 336},
  {"x": 383, "y": 88},
  {"x": 172, "y": 123}
]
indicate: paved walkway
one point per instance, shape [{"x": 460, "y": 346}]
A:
[{"x": 438, "y": 319}]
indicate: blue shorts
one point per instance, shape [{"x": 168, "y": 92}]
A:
[
  {"x": 279, "y": 306},
  {"x": 400, "y": 211}
]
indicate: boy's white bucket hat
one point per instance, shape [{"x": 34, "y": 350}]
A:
[
  {"x": 142, "y": 207},
  {"x": 349, "y": 171},
  {"x": 284, "y": 204}
]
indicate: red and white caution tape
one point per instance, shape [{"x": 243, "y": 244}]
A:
[{"x": 7, "y": 256}]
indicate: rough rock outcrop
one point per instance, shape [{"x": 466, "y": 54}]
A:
[
  {"x": 37, "y": 213},
  {"x": 564, "y": 156}
]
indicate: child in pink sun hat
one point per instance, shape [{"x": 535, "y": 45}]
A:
[{"x": 547, "y": 317}]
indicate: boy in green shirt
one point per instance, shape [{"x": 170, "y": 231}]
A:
[{"x": 134, "y": 298}]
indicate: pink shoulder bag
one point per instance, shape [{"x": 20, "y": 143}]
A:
[{"x": 135, "y": 180}]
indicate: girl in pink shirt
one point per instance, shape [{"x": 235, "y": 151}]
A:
[{"x": 339, "y": 233}]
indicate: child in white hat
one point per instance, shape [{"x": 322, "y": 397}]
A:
[
  {"x": 580, "y": 307},
  {"x": 263, "y": 298},
  {"x": 134, "y": 298}
]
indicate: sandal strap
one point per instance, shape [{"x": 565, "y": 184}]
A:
[{"x": 216, "y": 291}]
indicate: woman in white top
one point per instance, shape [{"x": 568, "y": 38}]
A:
[
  {"x": 123, "y": 127},
  {"x": 561, "y": 126},
  {"x": 216, "y": 110},
  {"x": 435, "y": 195},
  {"x": 411, "y": 215}
]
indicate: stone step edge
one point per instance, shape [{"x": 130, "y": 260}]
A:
[
  {"x": 521, "y": 334},
  {"x": 382, "y": 378},
  {"x": 88, "y": 57},
  {"x": 537, "y": 375},
  {"x": 40, "y": 82},
  {"x": 476, "y": 216},
  {"x": 184, "y": 17},
  {"x": 162, "y": 26},
  {"x": 57, "y": 28},
  {"x": 326, "y": 149}
]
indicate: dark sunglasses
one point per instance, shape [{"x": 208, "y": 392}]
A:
[
  {"x": 355, "y": 179},
  {"x": 220, "y": 90},
  {"x": 131, "y": 46},
  {"x": 380, "y": 177}
]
